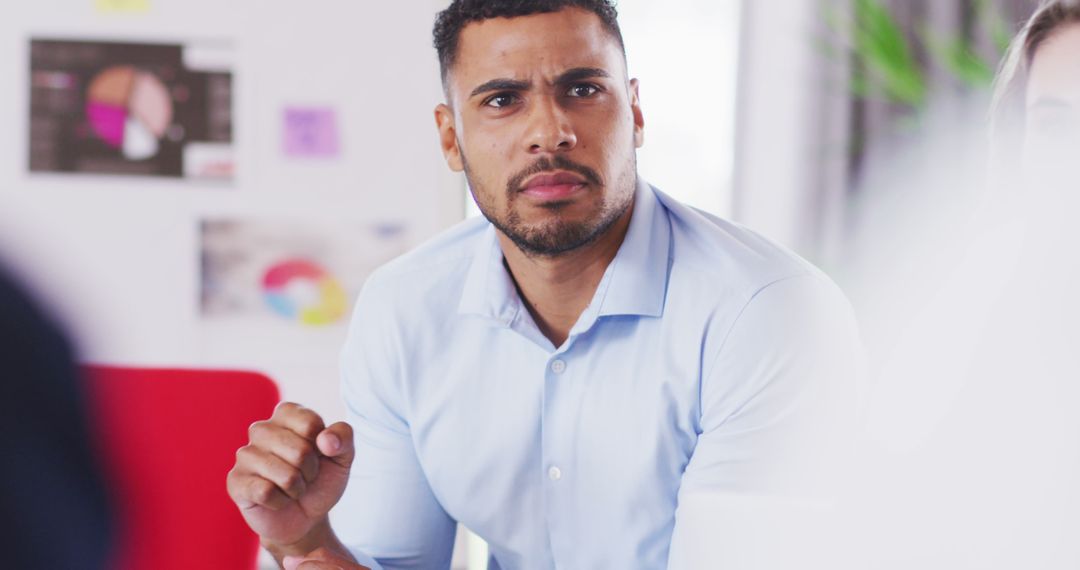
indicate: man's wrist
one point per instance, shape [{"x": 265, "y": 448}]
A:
[{"x": 320, "y": 536}]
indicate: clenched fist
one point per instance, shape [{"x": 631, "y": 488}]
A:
[{"x": 285, "y": 481}]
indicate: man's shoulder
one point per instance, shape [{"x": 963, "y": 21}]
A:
[
  {"x": 753, "y": 290},
  {"x": 729, "y": 258}
]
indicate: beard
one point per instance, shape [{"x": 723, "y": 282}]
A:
[{"x": 556, "y": 234}]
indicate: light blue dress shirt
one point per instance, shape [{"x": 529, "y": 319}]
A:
[{"x": 709, "y": 360}]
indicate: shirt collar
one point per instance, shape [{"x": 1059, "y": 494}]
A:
[
  {"x": 489, "y": 290},
  {"x": 638, "y": 276},
  {"x": 635, "y": 283}
]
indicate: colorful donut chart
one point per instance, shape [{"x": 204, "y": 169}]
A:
[{"x": 302, "y": 291}]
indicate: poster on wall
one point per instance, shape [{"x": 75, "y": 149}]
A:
[
  {"x": 122, "y": 6},
  {"x": 303, "y": 275},
  {"x": 311, "y": 132},
  {"x": 163, "y": 110}
]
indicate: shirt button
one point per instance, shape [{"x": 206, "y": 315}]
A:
[
  {"x": 558, "y": 366},
  {"x": 554, "y": 473}
]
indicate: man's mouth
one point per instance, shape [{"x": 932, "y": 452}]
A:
[{"x": 553, "y": 186}]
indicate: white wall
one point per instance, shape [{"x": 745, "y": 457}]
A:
[
  {"x": 779, "y": 148},
  {"x": 120, "y": 254},
  {"x": 685, "y": 54}
]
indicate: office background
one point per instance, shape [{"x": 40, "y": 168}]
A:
[{"x": 325, "y": 161}]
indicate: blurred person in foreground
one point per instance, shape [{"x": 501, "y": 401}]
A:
[
  {"x": 978, "y": 404},
  {"x": 568, "y": 373},
  {"x": 1037, "y": 94},
  {"x": 53, "y": 499}
]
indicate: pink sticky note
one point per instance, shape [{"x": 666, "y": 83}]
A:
[{"x": 311, "y": 132}]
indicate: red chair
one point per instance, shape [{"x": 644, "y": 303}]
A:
[{"x": 168, "y": 438}]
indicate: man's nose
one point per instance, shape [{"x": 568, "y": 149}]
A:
[{"x": 550, "y": 129}]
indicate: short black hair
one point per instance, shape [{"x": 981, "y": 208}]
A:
[{"x": 449, "y": 23}]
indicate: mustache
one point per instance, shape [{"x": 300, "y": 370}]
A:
[{"x": 549, "y": 164}]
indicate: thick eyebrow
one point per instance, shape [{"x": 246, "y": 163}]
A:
[
  {"x": 580, "y": 73},
  {"x": 500, "y": 85},
  {"x": 569, "y": 76}
]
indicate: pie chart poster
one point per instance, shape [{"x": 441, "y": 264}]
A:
[
  {"x": 127, "y": 109},
  {"x": 293, "y": 273}
]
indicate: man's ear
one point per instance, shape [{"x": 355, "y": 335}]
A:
[
  {"x": 448, "y": 140},
  {"x": 639, "y": 119}
]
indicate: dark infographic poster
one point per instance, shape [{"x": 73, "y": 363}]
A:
[{"x": 128, "y": 109}]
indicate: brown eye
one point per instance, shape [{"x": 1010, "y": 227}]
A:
[
  {"x": 501, "y": 100},
  {"x": 583, "y": 90}
]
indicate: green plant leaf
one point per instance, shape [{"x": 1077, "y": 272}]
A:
[
  {"x": 882, "y": 48},
  {"x": 957, "y": 57}
]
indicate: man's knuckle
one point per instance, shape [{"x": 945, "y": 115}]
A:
[
  {"x": 257, "y": 493},
  {"x": 244, "y": 454},
  {"x": 255, "y": 428},
  {"x": 262, "y": 490},
  {"x": 308, "y": 418},
  {"x": 295, "y": 454},
  {"x": 293, "y": 482},
  {"x": 230, "y": 480}
]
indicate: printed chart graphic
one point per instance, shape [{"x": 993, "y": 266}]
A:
[
  {"x": 301, "y": 290},
  {"x": 130, "y": 110},
  {"x": 273, "y": 274}
]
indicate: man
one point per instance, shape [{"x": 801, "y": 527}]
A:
[{"x": 560, "y": 376}]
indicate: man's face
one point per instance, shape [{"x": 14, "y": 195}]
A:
[{"x": 545, "y": 124}]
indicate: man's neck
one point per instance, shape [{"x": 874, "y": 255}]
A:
[{"x": 558, "y": 289}]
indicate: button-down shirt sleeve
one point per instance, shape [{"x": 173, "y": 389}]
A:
[
  {"x": 778, "y": 411},
  {"x": 389, "y": 512}
]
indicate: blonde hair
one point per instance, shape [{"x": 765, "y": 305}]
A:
[{"x": 1010, "y": 86}]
